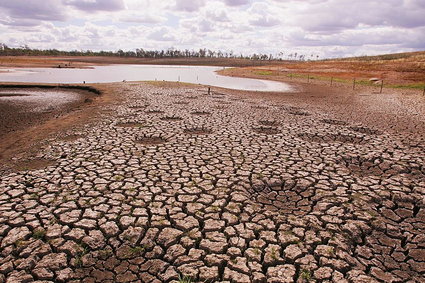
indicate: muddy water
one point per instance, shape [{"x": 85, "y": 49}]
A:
[{"x": 116, "y": 73}]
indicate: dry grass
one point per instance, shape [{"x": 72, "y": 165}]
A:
[
  {"x": 405, "y": 70},
  {"x": 168, "y": 84}
]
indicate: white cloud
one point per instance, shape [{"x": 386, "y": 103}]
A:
[
  {"x": 162, "y": 34},
  {"x": 328, "y": 27},
  {"x": 142, "y": 18}
]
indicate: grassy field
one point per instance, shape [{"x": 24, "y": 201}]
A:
[{"x": 404, "y": 70}]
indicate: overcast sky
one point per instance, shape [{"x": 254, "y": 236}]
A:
[{"x": 327, "y": 28}]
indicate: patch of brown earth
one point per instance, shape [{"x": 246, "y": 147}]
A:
[
  {"x": 33, "y": 164},
  {"x": 200, "y": 113},
  {"x": 130, "y": 125},
  {"x": 171, "y": 118},
  {"x": 329, "y": 138},
  {"x": 269, "y": 123},
  {"x": 197, "y": 131},
  {"x": 150, "y": 140},
  {"x": 266, "y": 130},
  {"x": 71, "y": 138},
  {"x": 21, "y": 139}
]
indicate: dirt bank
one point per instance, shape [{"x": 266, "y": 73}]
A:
[
  {"x": 87, "y": 61},
  {"x": 399, "y": 112},
  {"x": 22, "y": 131},
  {"x": 405, "y": 73}
]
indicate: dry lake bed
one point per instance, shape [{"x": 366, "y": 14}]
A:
[{"x": 174, "y": 185}]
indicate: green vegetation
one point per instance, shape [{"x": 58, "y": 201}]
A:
[
  {"x": 385, "y": 57},
  {"x": 39, "y": 234},
  {"x": 257, "y": 251},
  {"x": 138, "y": 53},
  {"x": 20, "y": 243},
  {"x": 119, "y": 178},
  {"x": 274, "y": 254},
  {"x": 83, "y": 250},
  {"x": 169, "y": 84},
  {"x": 105, "y": 254},
  {"x": 358, "y": 81},
  {"x": 33, "y": 196},
  {"x": 138, "y": 250},
  {"x": 408, "y": 86},
  {"x": 215, "y": 208},
  {"x": 264, "y": 73},
  {"x": 185, "y": 279},
  {"x": 306, "y": 275}
]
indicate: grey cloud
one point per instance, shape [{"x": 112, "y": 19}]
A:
[
  {"x": 371, "y": 37},
  {"x": 19, "y": 22},
  {"x": 236, "y": 2},
  {"x": 46, "y": 10},
  {"x": 96, "y": 5},
  {"x": 219, "y": 16},
  {"x": 161, "y": 34},
  {"x": 337, "y": 15},
  {"x": 189, "y": 5},
  {"x": 263, "y": 15},
  {"x": 265, "y": 21},
  {"x": 205, "y": 26},
  {"x": 333, "y": 26}
]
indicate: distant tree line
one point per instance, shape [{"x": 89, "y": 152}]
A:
[{"x": 142, "y": 53}]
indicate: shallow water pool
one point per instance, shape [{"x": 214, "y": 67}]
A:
[{"x": 204, "y": 75}]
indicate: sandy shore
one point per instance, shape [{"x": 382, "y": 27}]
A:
[{"x": 157, "y": 182}]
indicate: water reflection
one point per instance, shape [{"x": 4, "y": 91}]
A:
[{"x": 116, "y": 73}]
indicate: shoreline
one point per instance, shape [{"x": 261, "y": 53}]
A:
[
  {"x": 21, "y": 130},
  {"x": 306, "y": 95}
]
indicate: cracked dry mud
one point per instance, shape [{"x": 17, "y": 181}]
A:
[{"x": 247, "y": 193}]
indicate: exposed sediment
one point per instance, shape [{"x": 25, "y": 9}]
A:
[{"x": 242, "y": 193}]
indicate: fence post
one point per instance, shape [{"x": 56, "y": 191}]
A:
[
  {"x": 354, "y": 84},
  {"x": 308, "y": 78},
  {"x": 209, "y": 90},
  {"x": 332, "y": 80},
  {"x": 382, "y": 85}
]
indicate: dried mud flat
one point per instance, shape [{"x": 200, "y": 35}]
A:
[
  {"x": 23, "y": 108},
  {"x": 243, "y": 194}
]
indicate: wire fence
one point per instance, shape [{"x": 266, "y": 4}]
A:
[{"x": 378, "y": 83}]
